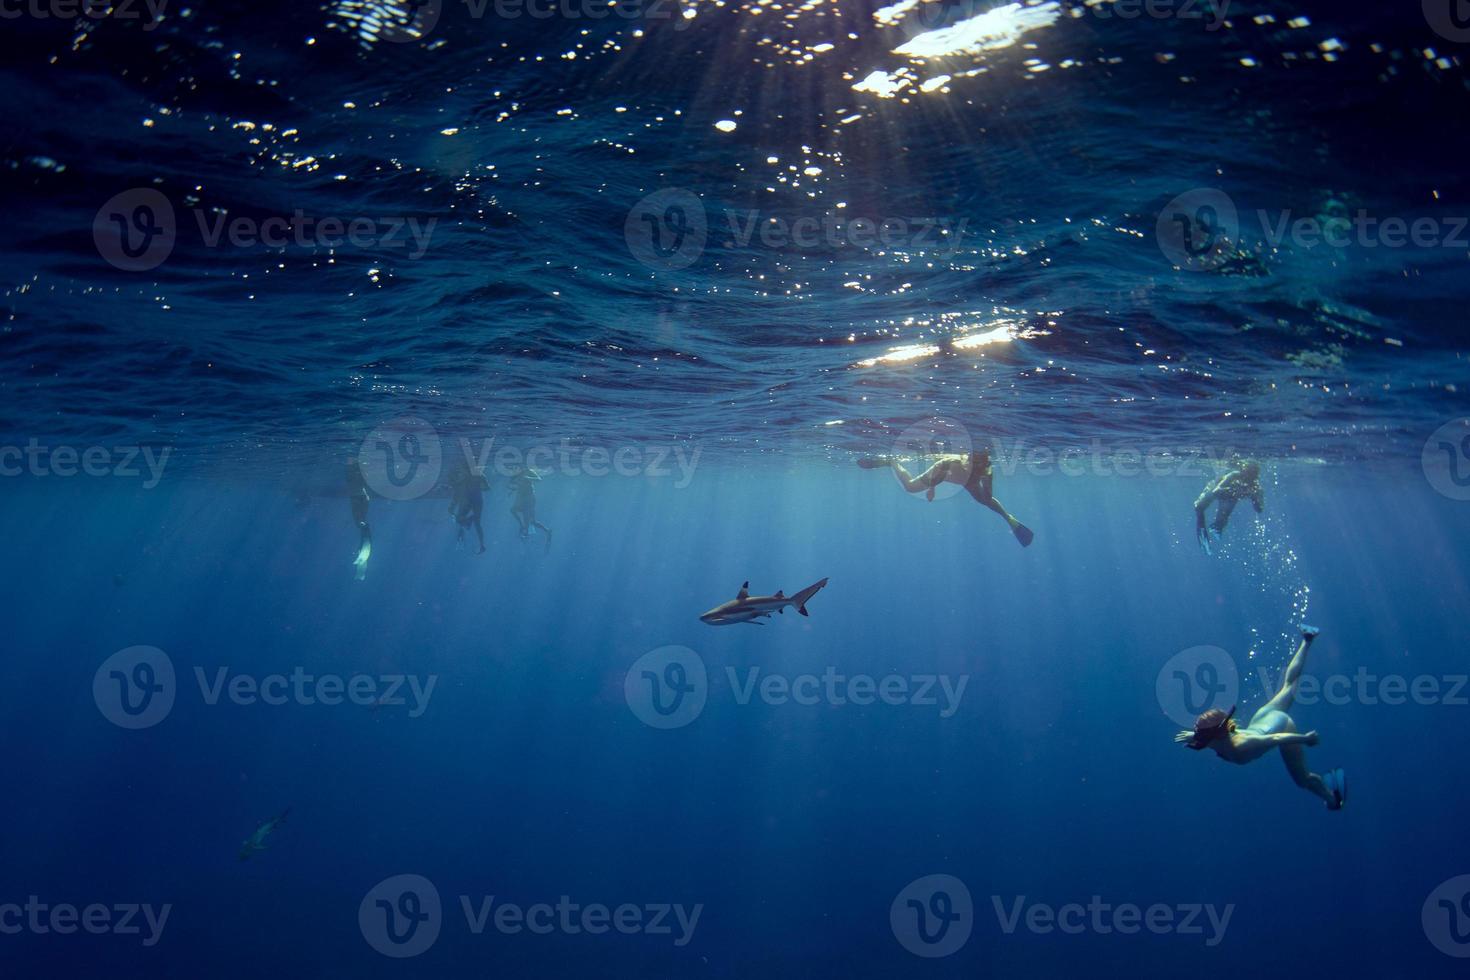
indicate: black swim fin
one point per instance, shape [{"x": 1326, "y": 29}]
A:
[{"x": 1023, "y": 534}]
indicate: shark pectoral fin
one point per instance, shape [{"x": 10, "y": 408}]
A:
[
  {"x": 803, "y": 611},
  {"x": 743, "y": 593}
]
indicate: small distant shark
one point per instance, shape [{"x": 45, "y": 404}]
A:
[
  {"x": 256, "y": 842},
  {"x": 747, "y": 608}
]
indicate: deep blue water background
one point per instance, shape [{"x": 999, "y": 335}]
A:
[
  {"x": 528, "y": 777},
  {"x": 529, "y": 318}
]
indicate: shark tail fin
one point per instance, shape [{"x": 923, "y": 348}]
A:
[{"x": 799, "y": 600}]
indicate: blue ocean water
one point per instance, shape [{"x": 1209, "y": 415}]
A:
[{"x": 687, "y": 263}]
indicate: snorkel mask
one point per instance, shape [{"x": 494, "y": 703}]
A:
[{"x": 1206, "y": 731}]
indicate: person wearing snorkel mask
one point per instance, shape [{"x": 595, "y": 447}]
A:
[
  {"x": 1237, "y": 485},
  {"x": 972, "y": 471},
  {"x": 1270, "y": 728}
]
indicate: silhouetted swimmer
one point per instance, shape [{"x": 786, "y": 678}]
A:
[
  {"x": 1271, "y": 728},
  {"x": 1237, "y": 485},
  {"x": 357, "y": 497},
  {"x": 970, "y": 470},
  {"x": 467, "y": 502},
  {"x": 523, "y": 507}
]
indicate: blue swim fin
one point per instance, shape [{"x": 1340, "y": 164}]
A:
[{"x": 1337, "y": 785}]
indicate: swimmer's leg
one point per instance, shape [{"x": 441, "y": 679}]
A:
[
  {"x": 1023, "y": 533},
  {"x": 1295, "y": 757},
  {"x": 1222, "y": 514},
  {"x": 1286, "y": 696},
  {"x": 479, "y": 534},
  {"x": 544, "y": 530},
  {"x": 925, "y": 481}
]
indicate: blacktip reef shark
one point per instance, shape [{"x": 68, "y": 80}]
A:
[
  {"x": 256, "y": 842},
  {"x": 747, "y": 608}
]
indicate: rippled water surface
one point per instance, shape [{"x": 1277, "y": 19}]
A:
[{"x": 862, "y": 218}]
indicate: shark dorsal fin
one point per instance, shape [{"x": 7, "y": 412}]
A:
[
  {"x": 780, "y": 594},
  {"x": 744, "y": 592}
]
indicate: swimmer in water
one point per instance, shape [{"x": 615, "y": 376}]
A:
[
  {"x": 1237, "y": 485},
  {"x": 467, "y": 502},
  {"x": 357, "y": 497},
  {"x": 969, "y": 470},
  {"x": 1271, "y": 728},
  {"x": 523, "y": 507}
]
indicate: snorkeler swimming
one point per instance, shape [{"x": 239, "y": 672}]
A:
[
  {"x": 1271, "y": 728},
  {"x": 357, "y": 497},
  {"x": 1235, "y": 486},
  {"x": 467, "y": 501},
  {"x": 523, "y": 508},
  {"x": 256, "y": 842},
  {"x": 970, "y": 470}
]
